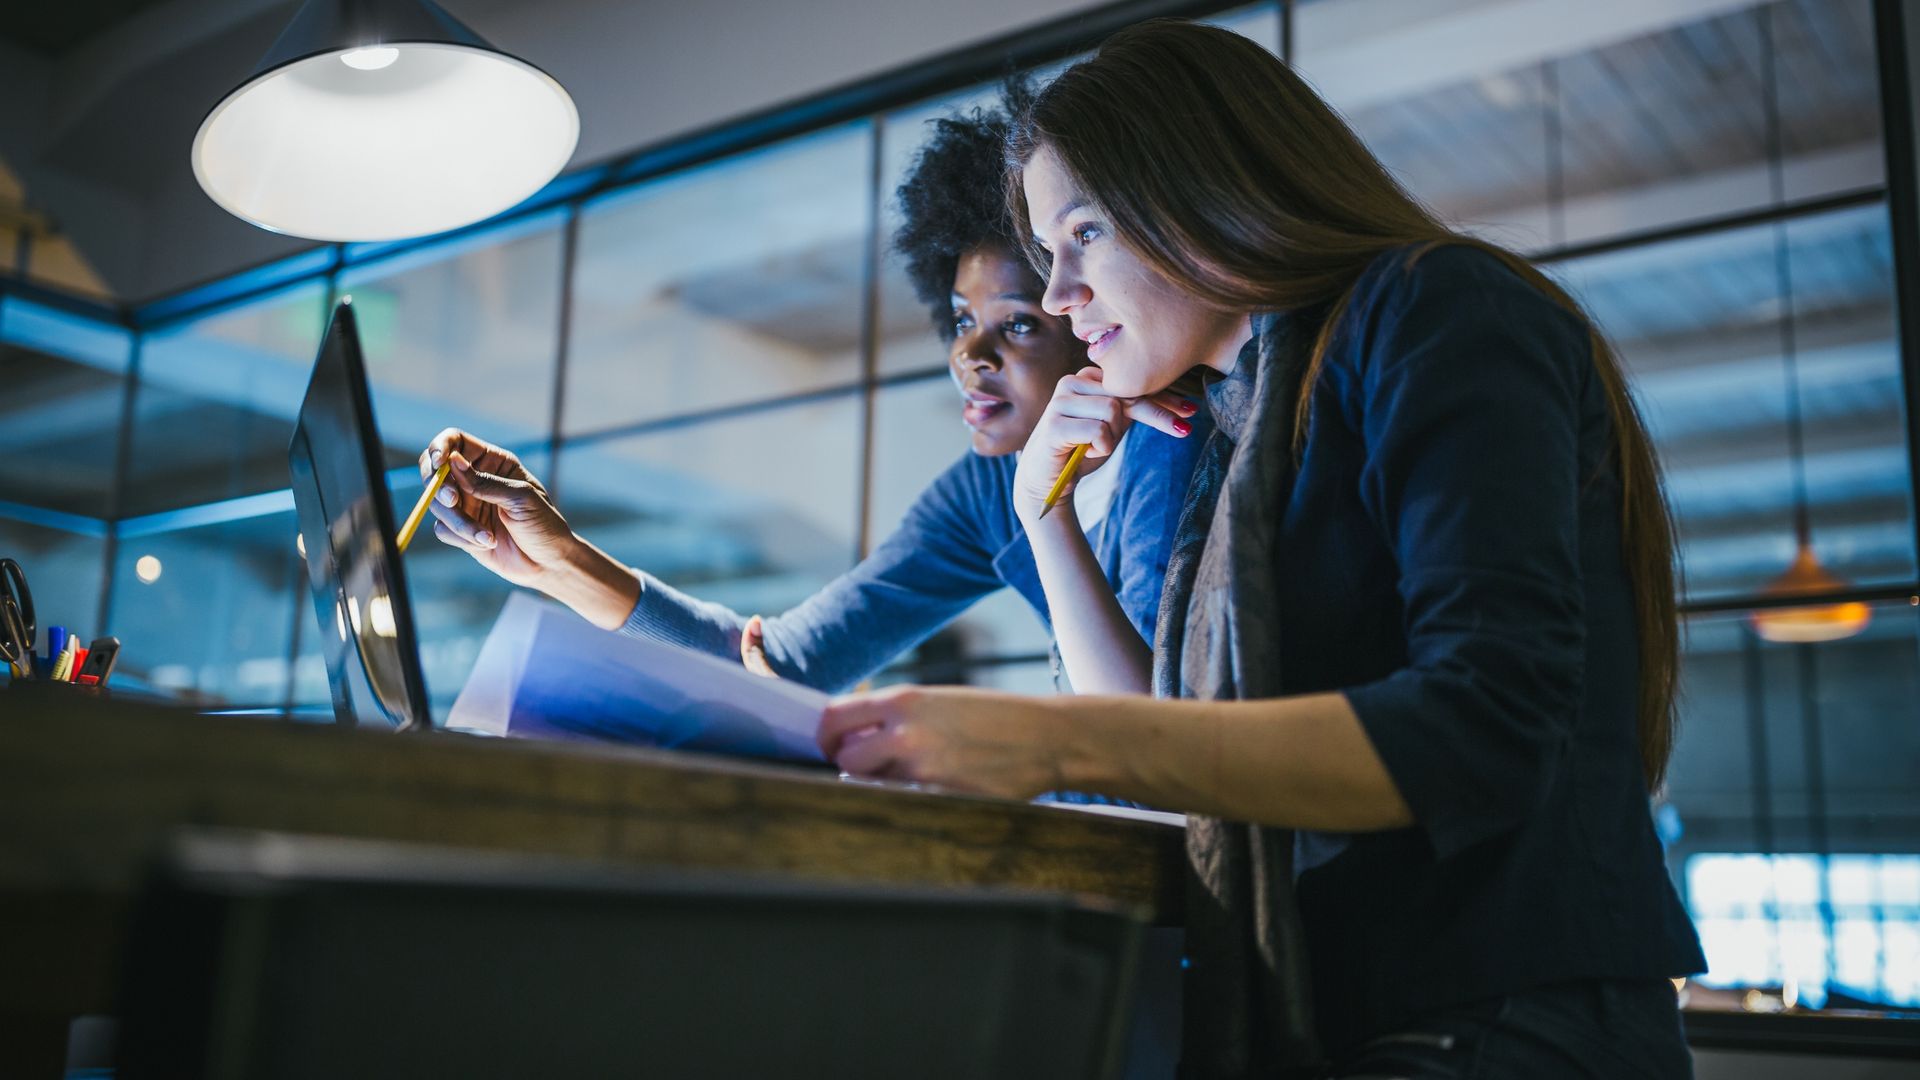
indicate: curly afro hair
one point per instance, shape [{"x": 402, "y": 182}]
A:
[{"x": 953, "y": 200}]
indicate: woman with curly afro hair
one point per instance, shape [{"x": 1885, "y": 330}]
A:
[{"x": 960, "y": 540}]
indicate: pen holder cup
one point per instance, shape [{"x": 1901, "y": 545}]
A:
[{"x": 46, "y": 690}]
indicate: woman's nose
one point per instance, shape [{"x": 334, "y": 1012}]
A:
[
  {"x": 1065, "y": 290},
  {"x": 973, "y": 350}
]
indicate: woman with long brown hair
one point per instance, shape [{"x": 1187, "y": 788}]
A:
[{"x": 1414, "y": 671}]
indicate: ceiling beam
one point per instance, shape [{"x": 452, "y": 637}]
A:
[{"x": 1360, "y": 54}]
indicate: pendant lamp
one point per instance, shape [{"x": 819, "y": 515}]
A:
[
  {"x": 1804, "y": 576},
  {"x": 1824, "y": 622},
  {"x": 382, "y": 120}
]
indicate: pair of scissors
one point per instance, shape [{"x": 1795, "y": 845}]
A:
[{"x": 16, "y": 619}]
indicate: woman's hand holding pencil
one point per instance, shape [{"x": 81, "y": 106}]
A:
[
  {"x": 1081, "y": 428},
  {"x": 494, "y": 509}
]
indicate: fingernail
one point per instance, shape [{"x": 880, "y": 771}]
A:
[
  {"x": 1189, "y": 407},
  {"x": 434, "y": 457},
  {"x": 485, "y": 537},
  {"x": 1183, "y": 427},
  {"x": 446, "y": 497}
]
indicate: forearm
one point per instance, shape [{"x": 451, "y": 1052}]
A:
[
  {"x": 1099, "y": 646},
  {"x": 598, "y": 587},
  {"x": 1300, "y": 762}
]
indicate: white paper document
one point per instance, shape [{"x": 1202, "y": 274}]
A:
[{"x": 546, "y": 673}]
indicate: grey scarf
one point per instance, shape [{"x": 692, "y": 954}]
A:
[{"x": 1248, "y": 1001}]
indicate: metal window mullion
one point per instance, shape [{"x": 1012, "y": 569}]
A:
[
  {"x": 869, "y": 341},
  {"x": 1894, "y": 23},
  {"x": 563, "y": 346},
  {"x": 122, "y": 466}
]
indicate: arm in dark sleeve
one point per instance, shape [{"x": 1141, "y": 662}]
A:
[
  {"x": 1467, "y": 388},
  {"x": 932, "y": 568}
]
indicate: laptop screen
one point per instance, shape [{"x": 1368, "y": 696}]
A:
[{"x": 347, "y": 526}]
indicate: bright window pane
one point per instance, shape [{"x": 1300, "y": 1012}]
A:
[
  {"x": 1804, "y": 954},
  {"x": 755, "y": 512},
  {"x": 217, "y": 401},
  {"x": 1699, "y": 324},
  {"x": 463, "y": 336},
  {"x": 65, "y": 381},
  {"x": 1544, "y": 123},
  {"x": 211, "y": 617},
  {"x": 733, "y": 282}
]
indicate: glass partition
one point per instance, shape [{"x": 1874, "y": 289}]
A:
[
  {"x": 735, "y": 282},
  {"x": 1542, "y": 124},
  {"x": 209, "y": 613},
  {"x": 1790, "y": 808},
  {"x": 1704, "y": 327},
  {"x": 217, "y": 398},
  {"x": 755, "y": 511},
  {"x": 65, "y": 381},
  {"x": 463, "y": 335}
]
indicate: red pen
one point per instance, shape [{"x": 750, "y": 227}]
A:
[{"x": 79, "y": 657}]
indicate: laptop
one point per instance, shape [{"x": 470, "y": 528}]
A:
[{"x": 366, "y": 626}]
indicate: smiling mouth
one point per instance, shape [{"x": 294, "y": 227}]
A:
[
  {"x": 980, "y": 408},
  {"x": 1099, "y": 340}
]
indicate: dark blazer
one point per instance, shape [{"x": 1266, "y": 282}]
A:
[{"x": 1451, "y": 561}]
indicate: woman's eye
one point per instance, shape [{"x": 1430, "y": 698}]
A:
[
  {"x": 1021, "y": 325},
  {"x": 1085, "y": 234},
  {"x": 961, "y": 321}
]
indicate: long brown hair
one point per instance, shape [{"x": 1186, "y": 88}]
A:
[{"x": 1228, "y": 175}]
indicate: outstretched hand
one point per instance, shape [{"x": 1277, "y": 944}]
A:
[{"x": 494, "y": 509}]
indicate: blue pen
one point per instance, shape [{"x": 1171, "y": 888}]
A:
[{"x": 56, "y": 641}]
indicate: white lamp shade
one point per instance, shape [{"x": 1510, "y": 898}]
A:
[{"x": 442, "y": 136}]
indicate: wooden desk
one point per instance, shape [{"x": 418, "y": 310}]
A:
[{"x": 89, "y": 789}]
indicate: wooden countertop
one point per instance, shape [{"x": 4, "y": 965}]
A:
[{"x": 90, "y": 788}]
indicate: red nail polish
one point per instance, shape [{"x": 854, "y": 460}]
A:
[{"x": 1183, "y": 427}]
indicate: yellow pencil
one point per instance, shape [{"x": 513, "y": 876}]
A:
[
  {"x": 1066, "y": 474},
  {"x": 1189, "y": 385},
  {"x": 426, "y": 500}
]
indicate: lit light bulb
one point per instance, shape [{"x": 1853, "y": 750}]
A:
[
  {"x": 147, "y": 569},
  {"x": 380, "y": 616},
  {"x": 1814, "y": 623},
  {"x": 370, "y": 59}
]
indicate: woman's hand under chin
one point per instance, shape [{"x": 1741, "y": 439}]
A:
[
  {"x": 1083, "y": 412},
  {"x": 981, "y": 741}
]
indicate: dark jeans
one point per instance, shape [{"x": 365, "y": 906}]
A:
[{"x": 1581, "y": 1029}]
